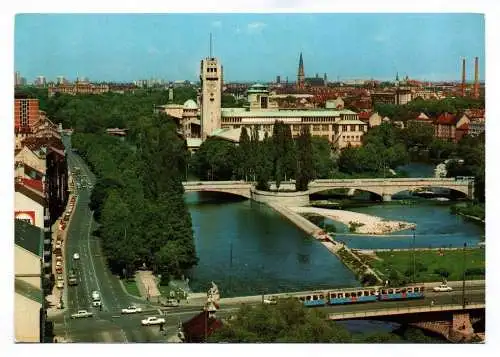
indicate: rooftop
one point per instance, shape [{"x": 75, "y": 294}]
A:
[
  {"x": 28, "y": 290},
  {"x": 241, "y": 112},
  {"x": 28, "y": 237}
]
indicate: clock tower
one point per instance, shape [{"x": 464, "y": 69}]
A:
[{"x": 211, "y": 92}]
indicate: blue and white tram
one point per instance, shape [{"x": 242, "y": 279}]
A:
[
  {"x": 402, "y": 293},
  {"x": 352, "y": 296}
]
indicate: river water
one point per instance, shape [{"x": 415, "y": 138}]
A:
[{"x": 249, "y": 249}]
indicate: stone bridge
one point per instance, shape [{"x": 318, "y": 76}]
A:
[
  {"x": 454, "y": 322},
  {"x": 239, "y": 188},
  {"x": 385, "y": 188}
]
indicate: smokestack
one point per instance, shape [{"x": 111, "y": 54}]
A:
[
  {"x": 476, "y": 78},
  {"x": 463, "y": 77}
]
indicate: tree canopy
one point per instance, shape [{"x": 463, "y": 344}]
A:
[{"x": 138, "y": 198}]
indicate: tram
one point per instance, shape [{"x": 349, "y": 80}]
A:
[{"x": 361, "y": 295}]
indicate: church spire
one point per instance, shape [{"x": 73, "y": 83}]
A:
[{"x": 300, "y": 74}]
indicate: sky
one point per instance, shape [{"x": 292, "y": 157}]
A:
[{"x": 251, "y": 47}]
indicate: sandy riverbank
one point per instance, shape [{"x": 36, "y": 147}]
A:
[{"x": 371, "y": 224}]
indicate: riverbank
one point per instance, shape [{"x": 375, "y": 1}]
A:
[{"x": 363, "y": 223}]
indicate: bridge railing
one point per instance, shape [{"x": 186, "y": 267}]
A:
[
  {"x": 425, "y": 179},
  {"x": 402, "y": 310},
  {"x": 198, "y": 183}
]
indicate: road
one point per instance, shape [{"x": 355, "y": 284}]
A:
[{"x": 93, "y": 274}]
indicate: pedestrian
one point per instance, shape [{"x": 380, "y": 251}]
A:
[{"x": 432, "y": 302}]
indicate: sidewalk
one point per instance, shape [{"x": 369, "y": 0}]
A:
[
  {"x": 146, "y": 283},
  {"x": 55, "y": 297}
]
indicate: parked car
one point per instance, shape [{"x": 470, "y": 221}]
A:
[
  {"x": 442, "y": 288},
  {"x": 131, "y": 310},
  {"x": 270, "y": 301},
  {"x": 81, "y": 314},
  {"x": 170, "y": 303},
  {"x": 152, "y": 320},
  {"x": 76, "y": 256}
]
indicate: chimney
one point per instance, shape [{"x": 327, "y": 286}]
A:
[
  {"x": 463, "y": 77},
  {"x": 476, "y": 78}
]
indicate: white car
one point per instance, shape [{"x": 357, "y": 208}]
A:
[
  {"x": 270, "y": 301},
  {"x": 76, "y": 256},
  {"x": 81, "y": 314},
  {"x": 152, "y": 320},
  {"x": 131, "y": 310},
  {"x": 442, "y": 288}
]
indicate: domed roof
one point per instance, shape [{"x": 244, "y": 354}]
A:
[{"x": 190, "y": 104}]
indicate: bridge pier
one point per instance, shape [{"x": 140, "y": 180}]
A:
[{"x": 386, "y": 197}]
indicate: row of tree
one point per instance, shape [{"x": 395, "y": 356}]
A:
[
  {"x": 432, "y": 108},
  {"x": 278, "y": 157},
  {"x": 138, "y": 198},
  {"x": 94, "y": 113}
]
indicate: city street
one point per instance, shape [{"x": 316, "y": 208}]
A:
[{"x": 92, "y": 274}]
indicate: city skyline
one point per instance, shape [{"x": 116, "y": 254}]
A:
[{"x": 251, "y": 47}]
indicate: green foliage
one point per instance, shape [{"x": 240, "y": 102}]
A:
[
  {"x": 288, "y": 321},
  {"x": 215, "y": 160},
  {"x": 383, "y": 148},
  {"x": 324, "y": 164},
  {"x": 472, "y": 151},
  {"x": 305, "y": 169},
  {"x": 139, "y": 198}
]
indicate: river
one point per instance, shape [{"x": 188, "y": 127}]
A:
[{"x": 249, "y": 249}]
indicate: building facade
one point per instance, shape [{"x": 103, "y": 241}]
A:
[
  {"x": 78, "y": 88},
  {"x": 26, "y": 114}
]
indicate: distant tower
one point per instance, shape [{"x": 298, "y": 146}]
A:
[
  {"x": 300, "y": 74},
  {"x": 463, "y": 77},
  {"x": 278, "y": 79},
  {"x": 397, "y": 79},
  {"x": 211, "y": 92},
  {"x": 476, "y": 77},
  {"x": 325, "y": 79},
  {"x": 170, "y": 94}
]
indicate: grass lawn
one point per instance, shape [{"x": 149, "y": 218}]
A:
[
  {"x": 429, "y": 264},
  {"x": 131, "y": 287}
]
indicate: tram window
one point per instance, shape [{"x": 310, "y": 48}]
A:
[
  {"x": 340, "y": 295},
  {"x": 397, "y": 291},
  {"x": 315, "y": 297},
  {"x": 384, "y": 291},
  {"x": 321, "y": 297},
  {"x": 372, "y": 292},
  {"x": 422, "y": 289},
  {"x": 353, "y": 294},
  {"x": 308, "y": 298},
  {"x": 360, "y": 293},
  {"x": 415, "y": 290},
  {"x": 333, "y": 296},
  {"x": 403, "y": 290},
  {"x": 409, "y": 290},
  {"x": 391, "y": 291},
  {"x": 301, "y": 298},
  {"x": 366, "y": 293}
]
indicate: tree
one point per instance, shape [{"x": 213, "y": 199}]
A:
[
  {"x": 322, "y": 158},
  {"x": 244, "y": 154},
  {"x": 288, "y": 321},
  {"x": 305, "y": 169}
]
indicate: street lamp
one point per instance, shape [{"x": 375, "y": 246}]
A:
[
  {"x": 413, "y": 229},
  {"x": 463, "y": 277}
]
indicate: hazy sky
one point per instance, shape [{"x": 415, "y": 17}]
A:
[{"x": 252, "y": 47}]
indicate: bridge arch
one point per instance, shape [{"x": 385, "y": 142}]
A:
[
  {"x": 462, "y": 190},
  {"x": 371, "y": 190}
]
